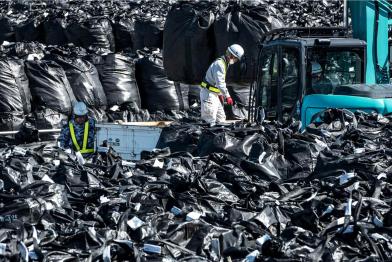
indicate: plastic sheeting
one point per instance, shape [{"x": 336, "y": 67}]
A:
[
  {"x": 188, "y": 47},
  {"x": 14, "y": 86},
  {"x": 49, "y": 86},
  {"x": 84, "y": 80}
]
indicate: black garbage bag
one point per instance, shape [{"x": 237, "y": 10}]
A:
[
  {"x": 100, "y": 33},
  {"x": 124, "y": 33},
  {"x": 309, "y": 13},
  {"x": 218, "y": 140},
  {"x": 236, "y": 112},
  {"x": 117, "y": 75},
  {"x": 188, "y": 47},
  {"x": 14, "y": 86},
  {"x": 99, "y": 114},
  {"x": 371, "y": 163},
  {"x": 234, "y": 243},
  {"x": 54, "y": 28},
  {"x": 129, "y": 112},
  {"x": 25, "y": 50},
  {"x": 94, "y": 32},
  {"x": 30, "y": 30},
  {"x": 180, "y": 138},
  {"x": 69, "y": 50},
  {"x": 217, "y": 189},
  {"x": 117, "y": 116},
  {"x": 239, "y": 93},
  {"x": 27, "y": 134},
  {"x": 243, "y": 25},
  {"x": 7, "y": 28},
  {"x": 332, "y": 123},
  {"x": 49, "y": 86},
  {"x": 74, "y": 30},
  {"x": 84, "y": 80},
  {"x": 156, "y": 91},
  {"x": 47, "y": 118},
  {"x": 11, "y": 121},
  {"x": 172, "y": 115},
  {"x": 136, "y": 114},
  {"x": 182, "y": 207},
  {"x": 183, "y": 95},
  {"x": 148, "y": 32},
  {"x": 194, "y": 94}
]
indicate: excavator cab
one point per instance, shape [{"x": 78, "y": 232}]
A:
[{"x": 302, "y": 71}]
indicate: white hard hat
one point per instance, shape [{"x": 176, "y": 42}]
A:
[
  {"x": 80, "y": 109},
  {"x": 236, "y": 50}
]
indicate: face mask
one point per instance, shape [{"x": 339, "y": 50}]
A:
[{"x": 232, "y": 61}]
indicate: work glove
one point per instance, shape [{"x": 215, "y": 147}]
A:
[
  {"x": 229, "y": 101},
  {"x": 221, "y": 98},
  {"x": 80, "y": 158}
]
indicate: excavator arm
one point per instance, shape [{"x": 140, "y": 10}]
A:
[{"x": 370, "y": 22}]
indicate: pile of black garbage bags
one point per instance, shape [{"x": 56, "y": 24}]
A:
[
  {"x": 54, "y": 55},
  {"x": 41, "y": 85},
  {"x": 119, "y": 57},
  {"x": 243, "y": 192}
]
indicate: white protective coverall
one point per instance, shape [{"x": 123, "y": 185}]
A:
[{"x": 211, "y": 107}]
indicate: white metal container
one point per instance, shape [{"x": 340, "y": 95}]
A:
[{"x": 130, "y": 139}]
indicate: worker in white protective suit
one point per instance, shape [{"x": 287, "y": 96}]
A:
[{"x": 213, "y": 89}]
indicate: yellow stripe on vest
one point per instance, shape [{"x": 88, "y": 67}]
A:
[
  {"x": 85, "y": 135},
  {"x": 73, "y": 136},
  {"x": 224, "y": 65},
  {"x": 84, "y": 149}
]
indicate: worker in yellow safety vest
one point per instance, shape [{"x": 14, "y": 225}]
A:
[
  {"x": 78, "y": 134},
  {"x": 213, "y": 89}
]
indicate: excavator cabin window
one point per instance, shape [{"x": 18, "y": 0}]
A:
[
  {"x": 279, "y": 80},
  {"x": 328, "y": 69},
  {"x": 268, "y": 84},
  {"x": 290, "y": 80}
]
